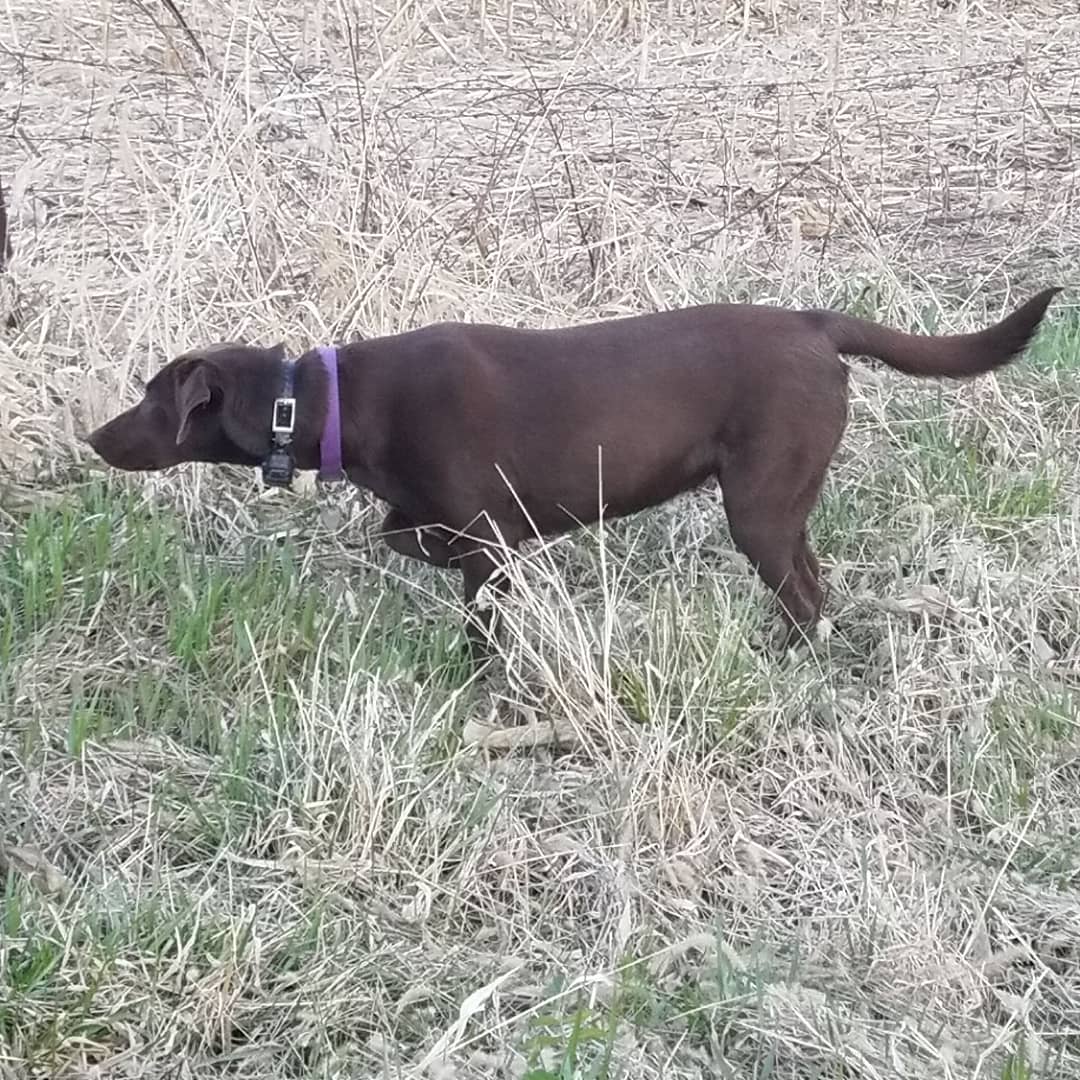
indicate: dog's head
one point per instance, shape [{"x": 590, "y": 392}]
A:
[{"x": 214, "y": 404}]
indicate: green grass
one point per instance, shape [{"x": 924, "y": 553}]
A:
[
  {"x": 978, "y": 469},
  {"x": 219, "y": 679},
  {"x": 1056, "y": 349},
  {"x": 200, "y": 635}
]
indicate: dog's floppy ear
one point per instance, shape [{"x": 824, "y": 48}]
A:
[
  {"x": 192, "y": 393},
  {"x": 234, "y": 382}
]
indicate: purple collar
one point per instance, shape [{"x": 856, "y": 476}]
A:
[{"x": 330, "y": 443}]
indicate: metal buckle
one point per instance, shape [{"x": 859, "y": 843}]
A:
[{"x": 284, "y": 416}]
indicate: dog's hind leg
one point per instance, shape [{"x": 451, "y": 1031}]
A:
[
  {"x": 767, "y": 503},
  {"x": 810, "y": 574},
  {"x": 771, "y": 546}
]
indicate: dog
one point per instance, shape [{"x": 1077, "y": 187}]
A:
[{"x": 480, "y": 437}]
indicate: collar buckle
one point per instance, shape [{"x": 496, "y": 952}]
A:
[
  {"x": 284, "y": 416},
  {"x": 279, "y": 465}
]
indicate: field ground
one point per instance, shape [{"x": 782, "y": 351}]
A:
[{"x": 255, "y": 820}]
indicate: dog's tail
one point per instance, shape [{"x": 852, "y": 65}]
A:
[{"x": 953, "y": 355}]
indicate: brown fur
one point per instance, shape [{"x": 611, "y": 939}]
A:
[{"x": 477, "y": 433}]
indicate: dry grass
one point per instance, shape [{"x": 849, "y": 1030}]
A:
[{"x": 255, "y": 821}]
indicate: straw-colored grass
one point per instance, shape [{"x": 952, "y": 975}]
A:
[{"x": 255, "y": 819}]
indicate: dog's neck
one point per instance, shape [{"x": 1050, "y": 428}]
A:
[{"x": 305, "y": 421}]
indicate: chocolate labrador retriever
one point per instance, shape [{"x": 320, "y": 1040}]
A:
[{"x": 480, "y": 437}]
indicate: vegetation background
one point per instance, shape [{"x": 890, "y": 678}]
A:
[{"x": 256, "y": 821}]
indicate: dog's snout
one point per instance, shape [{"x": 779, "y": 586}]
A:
[
  {"x": 93, "y": 437},
  {"x": 110, "y": 442},
  {"x": 130, "y": 442}
]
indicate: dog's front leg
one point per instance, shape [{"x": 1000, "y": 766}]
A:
[
  {"x": 480, "y": 568},
  {"x": 406, "y": 537}
]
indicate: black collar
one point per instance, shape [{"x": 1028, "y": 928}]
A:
[{"x": 279, "y": 465}]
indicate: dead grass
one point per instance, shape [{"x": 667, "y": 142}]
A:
[{"x": 256, "y": 823}]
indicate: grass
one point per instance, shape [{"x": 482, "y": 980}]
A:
[
  {"x": 253, "y": 771},
  {"x": 257, "y": 819}
]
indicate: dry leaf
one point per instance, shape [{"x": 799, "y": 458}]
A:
[
  {"x": 30, "y": 862},
  {"x": 419, "y": 992},
  {"x": 489, "y": 737},
  {"x": 561, "y": 844},
  {"x": 702, "y": 942},
  {"x": 469, "y": 1008},
  {"x": 920, "y": 600},
  {"x": 814, "y": 220},
  {"x": 682, "y": 875},
  {"x": 1045, "y": 653}
]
